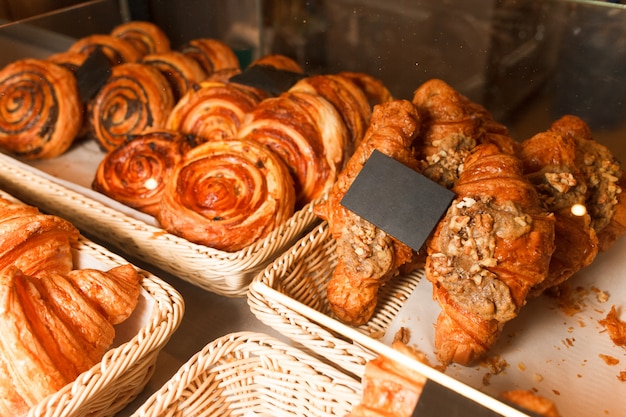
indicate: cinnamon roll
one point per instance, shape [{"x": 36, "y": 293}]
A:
[
  {"x": 180, "y": 70},
  {"x": 70, "y": 60},
  {"x": 227, "y": 195},
  {"x": 213, "y": 110},
  {"x": 146, "y": 37},
  {"x": 308, "y": 133},
  {"x": 211, "y": 54},
  {"x": 135, "y": 98},
  {"x": 40, "y": 109},
  {"x": 135, "y": 172},
  {"x": 117, "y": 50},
  {"x": 278, "y": 61}
]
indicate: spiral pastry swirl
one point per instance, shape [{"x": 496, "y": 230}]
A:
[
  {"x": 227, "y": 195},
  {"x": 146, "y": 37},
  {"x": 135, "y": 172},
  {"x": 307, "y": 131},
  {"x": 117, "y": 50},
  {"x": 180, "y": 70},
  {"x": 212, "y": 55},
  {"x": 213, "y": 110},
  {"x": 40, "y": 109},
  {"x": 136, "y": 97}
]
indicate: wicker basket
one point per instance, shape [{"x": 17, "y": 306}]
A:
[
  {"x": 301, "y": 273},
  {"x": 124, "y": 370},
  {"x": 224, "y": 273},
  {"x": 252, "y": 374}
]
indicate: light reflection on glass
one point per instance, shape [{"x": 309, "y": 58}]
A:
[{"x": 579, "y": 210}]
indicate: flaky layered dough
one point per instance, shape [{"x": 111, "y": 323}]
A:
[
  {"x": 136, "y": 97},
  {"x": 493, "y": 245},
  {"x": 117, "y": 50},
  {"x": 278, "y": 61},
  {"x": 40, "y": 109},
  {"x": 213, "y": 110},
  {"x": 367, "y": 256},
  {"x": 227, "y": 195},
  {"x": 135, "y": 173},
  {"x": 307, "y": 132},
  {"x": 146, "y": 37},
  {"x": 212, "y": 55},
  {"x": 373, "y": 88},
  {"x": 181, "y": 71}
]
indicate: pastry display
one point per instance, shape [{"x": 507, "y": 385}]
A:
[
  {"x": 136, "y": 97},
  {"x": 490, "y": 249},
  {"x": 117, "y": 50},
  {"x": 212, "y": 55},
  {"x": 367, "y": 256},
  {"x": 227, "y": 194},
  {"x": 180, "y": 70},
  {"x": 56, "y": 321},
  {"x": 308, "y": 133},
  {"x": 135, "y": 173},
  {"x": 146, "y": 37},
  {"x": 40, "y": 109}
]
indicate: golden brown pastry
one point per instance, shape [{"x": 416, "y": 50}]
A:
[
  {"x": 367, "y": 256},
  {"x": 117, "y": 50},
  {"x": 69, "y": 60},
  {"x": 374, "y": 89},
  {"x": 135, "y": 98},
  {"x": 181, "y": 71},
  {"x": 492, "y": 246},
  {"x": 212, "y": 55},
  {"x": 278, "y": 61},
  {"x": 213, "y": 110},
  {"x": 606, "y": 202},
  {"x": 307, "y": 132},
  {"x": 227, "y": 194},
  {"x": 452, "y": 126},
  {"x": 146, "y": 37},
  {"x": 349, "y": 100},
  {"x": 135, "y": 172},
  {"x": 40, "y": 109},
  {"x": 531, "y": 401},
  {"x": 550, "y": 164}
]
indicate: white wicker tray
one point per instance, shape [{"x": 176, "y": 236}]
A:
[
  {"x": 566, "y": 358},
  {"x": 254, "y": 375},
  {"x": 60, "y": 186}
]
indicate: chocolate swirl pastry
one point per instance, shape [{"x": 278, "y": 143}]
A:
[
  {"x": 211, "y": 54},
  {"x": 213, "y": 110},
  {"x": 227, "y": 195},
  {"x": 117, "y": 50},
  {"x": 135, "y": 98},
  {"x": 181, "y": 71},
  {"x": 135, "y": 172},
  {"x": 308, "y": 133},
  {"x": 146, "y": 37},
  {"x": 40, "y": 109}
]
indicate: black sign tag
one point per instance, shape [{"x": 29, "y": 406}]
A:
[
  {"x": 397, "y": 199},
  {"x": 268, "y": 78},
  {"x": 92, "y": 74}
]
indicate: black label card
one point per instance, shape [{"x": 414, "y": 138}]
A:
[
  {"x": 397, "y": 199},
  {"x": 265, "y": 77},
  {"x": 92, "y": 74}
]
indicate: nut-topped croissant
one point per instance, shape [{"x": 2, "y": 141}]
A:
[{"x": 493, "y": 245}]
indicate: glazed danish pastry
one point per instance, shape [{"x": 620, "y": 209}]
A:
[
  {"x": 146, "y": 37},
  {"x": 135, "y": 98},
  {"x": 135, "y": 172},
  {"x": 309, "y": 135},
  {"x": 181, "y": 71},
  {"x": 213, "y": 110},
  {"x": 227, "y": 195},
  {"x": 212, "y": 55},
  {"x": 117, "y": 50},
  {"x": 40, "y": 109},
  {"x": 490, "y": 249}
]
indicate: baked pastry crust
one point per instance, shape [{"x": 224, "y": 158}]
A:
[
  {"x": 227, "y": 195},
  {"x": 181, "y": 71},
  {"x": 146, "y": 37},
  {"x": 212, "y": 55},
  {"x": 117, "y": 50}
]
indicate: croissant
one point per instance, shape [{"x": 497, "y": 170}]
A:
[
  {"x": 367, "y": 256},
  {"x": 136, "y": 97},
  {"x": 349, "y": 100},
  {"x": 117, "y": 50},
  {"x": 146, "y": 37},
  {"x": 135, "y": 172},
  {"x": 308, "y": 134},
  {"x": 452, "y": 126},
  {"x": 40, "y": 109},
  {"x": 212, "y": 55},
  {"x": 550, "y": 164},
  {"x": 213, "y": 110},
  {"x": 606, "y": 203},
  {"x": 491, "y": 248},
  {"x": 181, "y": 71},
  {"x": 227, "y": 195}
]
